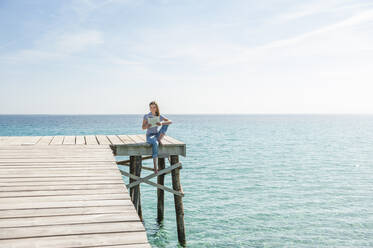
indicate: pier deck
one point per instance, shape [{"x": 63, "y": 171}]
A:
[{"x": 66, "y": 191}]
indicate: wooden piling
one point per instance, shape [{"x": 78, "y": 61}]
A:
[
  {"x": 178, "y": 200},
  {"x": 132, "y": 171},
  {"x": 160, "y": 192},
  {"x": 136, "y": 194}
]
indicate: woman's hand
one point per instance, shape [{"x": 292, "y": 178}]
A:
[
  {"x": 145, "y": 124},
  {"x": 166, "y": 121},
  {"x": 159, "y": 124}
]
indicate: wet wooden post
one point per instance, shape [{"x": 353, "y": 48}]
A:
[
  {"x": 132, "y": 171},
  {"x": 178, "y": 200},
  {"x": 160, "y": 192},
  {"x": 135, "y": 169}
]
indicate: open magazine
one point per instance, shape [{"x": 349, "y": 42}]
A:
[{"x": 153, "y": 120}]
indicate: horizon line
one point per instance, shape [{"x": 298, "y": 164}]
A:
[{"x": 212, "y": 114}]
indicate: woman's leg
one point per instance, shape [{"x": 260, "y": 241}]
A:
[
  {"x": 152, "y": 139},
  {"x": 161, "y": 133}
]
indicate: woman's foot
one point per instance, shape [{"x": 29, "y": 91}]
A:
[{"x": 160, "y": 138}]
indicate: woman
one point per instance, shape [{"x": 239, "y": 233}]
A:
[{"x": 153, "y": 136}]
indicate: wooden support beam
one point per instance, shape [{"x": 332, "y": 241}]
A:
[
  {"x": 160, "y": 192},
  {"x": 160, "y": 172},
  {"x": 125, "y": 162},
  {"x": 179, "y": 207},
  {"x": 143, "y": 167},
  {"x": 137, "y": 192},
  {"x": 136, "y": 164},
  {"x": 153, "y": 184},
  {"x": 132, "y": 172}
]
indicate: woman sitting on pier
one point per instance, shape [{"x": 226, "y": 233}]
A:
[{"x": 153, "y": 136}]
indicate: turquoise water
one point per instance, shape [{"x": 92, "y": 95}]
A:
[{"x": 252, "y": 180}]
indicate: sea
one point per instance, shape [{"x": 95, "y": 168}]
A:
[{"x": 250, "y": 180}]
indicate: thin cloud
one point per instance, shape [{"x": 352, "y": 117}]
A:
[
  {"x": 53, "y": 47},
  {"x": 351, "y": 21},
  {"x": 77, "y": 42}
]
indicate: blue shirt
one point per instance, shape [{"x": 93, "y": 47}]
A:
[{"x": 152, "y": 129}]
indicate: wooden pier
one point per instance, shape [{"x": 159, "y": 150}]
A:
[{"x": 68, "y": 191}]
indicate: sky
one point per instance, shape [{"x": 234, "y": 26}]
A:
[{"x": 192, "y": 57}]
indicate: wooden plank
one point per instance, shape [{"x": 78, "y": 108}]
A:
[
  {"x": 173, "y": 140},
  {"x": 21, "y": 213},
  {"x": 35, "y": 147},
  {"x": 53, "y": 171},
  {"x": 58, "y": 187},
  {"x": 101, "y": 155},
  {"x": 66, "y": 229},
  {"x": 35, "y": 205},
  {"x": 165, "y": 141},
  {"x": 59, "y": 177},
  {"x": 82, "y": 240},
  {"x": 91, "y": 140},
  {"x": 136, "y": 139},
  {"x": 55, "y": 183},
  {"x": 114, "y": 139},
  {"x": 145, "y": 149},
  {"x": 80, "y": 140},
  {"x": 126, "y": 139},
  {"x": 31, "y": 140},
  {"x": 141, "y": 137},
  {"x": 21, "y": 140},
  {"x": 69, "y": 140},
  {"x": 71, "y": 219},
  {"x": 45, "y": 140},
  {"x": 58, "y": 198},
  {"x": 77, "y": 147},
  {"x": 57, "y": 140},
  {"x": 67, "y": 173},
  {"x": 53, "y": 160},
  {"x": 3, "y": 139},
  {"x": 71, "y": 178},
  {"x": 67, "y": 154},
  {"x": 103, "y": 140},
  {"x": 85, "y": 166},
  {"x": 70, "y": 154},
  {"x": 113, "y": 190}
]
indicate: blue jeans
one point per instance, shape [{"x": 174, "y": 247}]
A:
[{"x": 153, "y": 140}]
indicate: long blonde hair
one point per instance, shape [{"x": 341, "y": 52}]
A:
[{"x": 156, "y": 105}]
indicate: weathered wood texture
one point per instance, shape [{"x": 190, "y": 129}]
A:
[
  {"x": 179, "y": 208},
  {"x": 135, "y": 193},
  {"x": 57, "y": 192},
  {"x": 122, "y": 145},
  {"x": 66, "y": 191},
  {"x": 160, "y": 192}
]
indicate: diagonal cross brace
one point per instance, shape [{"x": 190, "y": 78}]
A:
[
  {"x": 146, "y": 179},
  {"x": 154, "y": 184},
  {"x": 161, "y": 172}
]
